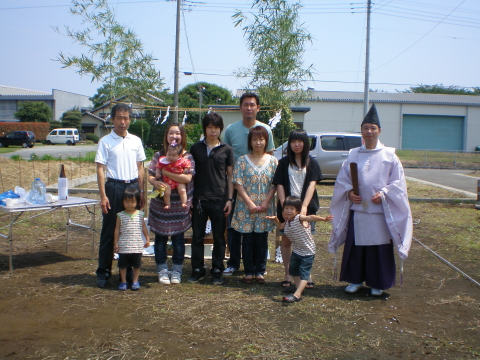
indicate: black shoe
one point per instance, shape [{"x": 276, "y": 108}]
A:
[
  {"x": 217, "y": 277},
  {"x": 197, "y": 275},
  {"x": 102, "y": 283}
]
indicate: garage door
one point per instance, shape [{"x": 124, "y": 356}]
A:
[{"x": 432, "y": 132}]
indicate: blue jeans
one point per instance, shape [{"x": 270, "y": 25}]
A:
[
  {"x": 254, "y": 253},
  {"x": 178, "y": 245},
  {"x": 301, "y": 266}
]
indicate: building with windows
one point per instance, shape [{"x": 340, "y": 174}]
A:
[
  {"x": 409, "y": 120},
  {"x": 59, "y": 101}
]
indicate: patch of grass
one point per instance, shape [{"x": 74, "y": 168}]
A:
[
  {"x": 47, "y": 157},
  {"x": 414, "y": 189},
  {"x": 16, "y": 158},
  {"x": 475, "y": 174},
  {"x": 439, "y": 159},
  {"x": 4, "y": 150}
]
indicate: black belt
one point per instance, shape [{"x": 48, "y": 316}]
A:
[{"x": 122, "y": 181}]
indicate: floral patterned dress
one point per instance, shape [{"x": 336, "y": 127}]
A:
[{"x": 257, "y": 182}]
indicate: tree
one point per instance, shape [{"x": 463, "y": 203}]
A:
[
  {"x": 189, "y": 97},
  {"x": 276, "y": 39},
  {"x": 141, "y": 128},
  {"x": 34, "y": 111},
  {"x": 104, "y": 93},
  {"x": 115, "y": 55},
  {"x": 441, "y": 89},
  {"x": 72, "y": 118}
]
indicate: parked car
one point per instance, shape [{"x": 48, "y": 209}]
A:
[
  {"x": 20, "y": 138},
  {"x": 63, "y": 136},
  {"x": 329, "y": 148}
]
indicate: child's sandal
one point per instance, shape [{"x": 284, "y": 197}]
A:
[
  {"x": 291, "y": 298},
  {"x": 122, "y": 286}
]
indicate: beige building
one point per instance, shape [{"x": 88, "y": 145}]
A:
[{"x": 409, "y": 121}]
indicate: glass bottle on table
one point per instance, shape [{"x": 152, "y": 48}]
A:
[{"x": 62, "y": 184}]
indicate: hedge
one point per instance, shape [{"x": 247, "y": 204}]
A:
[
  {"x": 40, "y": 129},
  {"x": 92, "y": 137}
]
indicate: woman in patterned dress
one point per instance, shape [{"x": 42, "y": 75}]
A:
[{"x": 253, "y": 175}]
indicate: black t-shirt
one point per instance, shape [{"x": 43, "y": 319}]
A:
[
  {"x": 281, "y": 178},
  {"x": 211, "y": 171}
]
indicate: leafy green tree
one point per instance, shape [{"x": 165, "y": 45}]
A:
[
  {"x": 441, "y": 89},
  {"x": 55, "y": 124},
  {"x": 72, "y": 118},
  {"x": 189, "y": 97},
  {"x": 141, "y": 128},
  {"x": 34, "y": 111},
  {"x": 157, "y": 131},
  {"x": 276, "y": 39},
  {"x": 194, "y": 132},
  {"x": 104, "y": 93},
  {"x": 118, "y": 59}
]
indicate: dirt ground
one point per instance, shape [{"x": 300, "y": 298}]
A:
[{"x": 50, "y": 307}]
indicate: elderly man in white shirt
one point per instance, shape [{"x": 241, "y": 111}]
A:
[{"x": 119, "y": 160}]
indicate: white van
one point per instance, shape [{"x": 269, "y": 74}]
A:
[
  {"x": 329, "y": 148},
  {"x": 63, "y": 136}
]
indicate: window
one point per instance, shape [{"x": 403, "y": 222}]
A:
[
  {"x": 61, "y": 132},
  {"x": 69, "y": 132},
  {"x": 54, "y": 132},
  {"x": 332, "y": 143},
  {"x": 353, "y": 142}
]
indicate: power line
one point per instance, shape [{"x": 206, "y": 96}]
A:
[
  {"x": 412, "y": 18},
  {"x": 456, "y": 20},
  {"x": 188, "y": 46},
  {"x": 436, "y": 35},
  {"x": 428, "y": 32}
]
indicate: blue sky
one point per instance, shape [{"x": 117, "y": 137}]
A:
[{"x": 412, "y": 42}]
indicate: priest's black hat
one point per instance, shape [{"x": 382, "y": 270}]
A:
[{"x": 372, "y": 117}]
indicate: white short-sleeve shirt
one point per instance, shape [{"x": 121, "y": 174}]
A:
[{"x": 120, "y": 155}]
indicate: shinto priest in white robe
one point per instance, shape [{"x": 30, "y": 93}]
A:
[{"x": 379, "y": 170}]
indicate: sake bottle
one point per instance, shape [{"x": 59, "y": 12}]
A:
[{"x": 62, "y": 184}]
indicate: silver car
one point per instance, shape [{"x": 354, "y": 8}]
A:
[{"x": 329, "y": 148}]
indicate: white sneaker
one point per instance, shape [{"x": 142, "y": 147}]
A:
[
  {"x": 229, "y": 271},
  {"x": 164, "y": 277},
  {"x": 353, "y": 288},
  {"x": 175, "y": 277},
  {"x": 376, "y": 292}
]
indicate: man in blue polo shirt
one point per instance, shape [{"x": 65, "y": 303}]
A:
[
  {"x": 212, "y": 197},
  {"x": 236, "y": 135},
  {"x": 120, "y": 156}
]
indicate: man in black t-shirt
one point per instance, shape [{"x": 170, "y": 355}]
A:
[{"x": 212, "y": 196}]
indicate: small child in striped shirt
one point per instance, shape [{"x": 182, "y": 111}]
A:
[
  {"x": 128, "y": 241},
  {"x": 303, "y": 245}
]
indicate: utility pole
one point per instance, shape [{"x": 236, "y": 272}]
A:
[
  {"x": 177, "y": 63},
  {"x": 367, "y": 62},
  {"x": 200, "y": 101}
]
